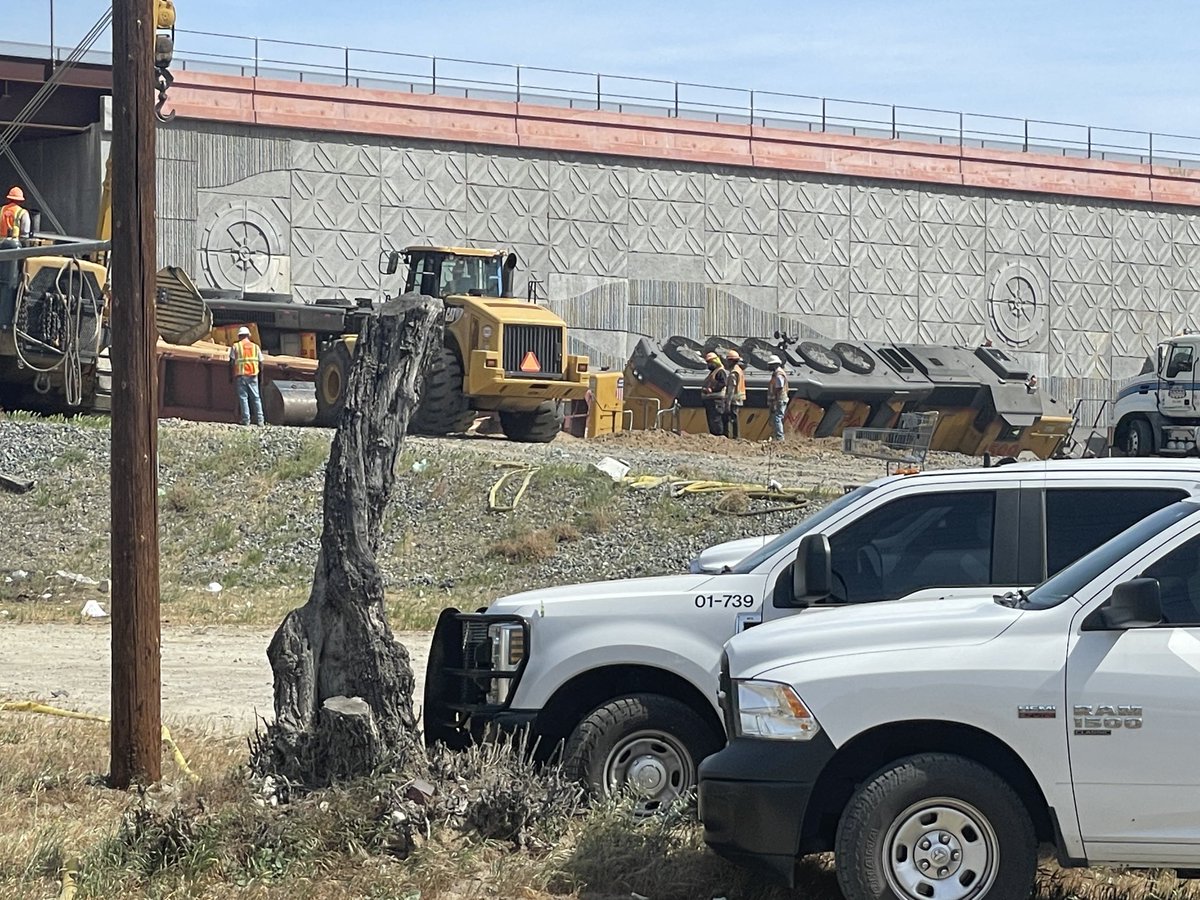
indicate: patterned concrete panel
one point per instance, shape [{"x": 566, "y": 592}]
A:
[
  {"x": 883, "y": 269},
  {"x": 882, "y": 215},
  {"x": 963, "y": 209},
  {"x": 649, "y": 182},
  {"x": 1083, "y": 221},
  {"x": 175, "y": 142},
  {"x": 1137, "y": 332},
  {"x": 1141, "y": 286},
  {"x": 741, "y": 204},
  {"x": 813, "y": 327},
  {"x": 177, "y": 243},
  {"x": 402, "y": 227},
  {"x": 1184, "y": 277},
  {"x": 335, "y": 201},
  {"x": 954, "y": 334},
  {"x": 533, "y": 262},
  {"x": 1017, "y": 227},
  {"x": 340, "y": 158},
  {"x": 425, "y": 178},
  {"x": 498, "y": 215},
  {"x": 815, "y": 238},
  {"x": 1080, "y": 307},
  {"x": 590, "y": 302},
  {"x": 952, "y": 298},
  {"x": 244, "y": 243},
  {"x": 508, "y": 169},
  {"x": 664, "y": 226},
  {"x": 1081, "y": 354},
  {"x": 336, "y": 258},
  {"x": 604, "y": 349},
  {"x": 1018, "y": 293},
  {"x": 587, "y": 248},
  {"x": 661, "y": 322},
  {"x": 805, "y": 194},
  {"x": 588, "y": 193},
  {"x": 176, "y": 180},
  {"x": 1082, "y": 258},
  {"x": 750, "y": 259},
  {"x": 810, "y": 289},
  {"x": 883, "y": 317},
  {"x": 674, "y": 294},
  {"x": 1142, "y": 237}
]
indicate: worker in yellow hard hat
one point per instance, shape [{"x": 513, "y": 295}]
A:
[
  {"x": 14, "y": 218},
  {"x": 712, "y": 393},
  {"x": 735, "y": 393}
]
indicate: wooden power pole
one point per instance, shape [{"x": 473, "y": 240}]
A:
[{"x": 136, "y": 692}]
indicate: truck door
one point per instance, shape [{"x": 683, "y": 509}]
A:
[
  {"x": 1177, "y": 381},
  {"x": 1133, "y": 717}
]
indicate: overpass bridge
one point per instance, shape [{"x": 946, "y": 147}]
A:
[{"x": 656, "y": 208}]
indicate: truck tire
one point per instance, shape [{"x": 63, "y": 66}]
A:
[
  {"x": 646, "y": 743},
  {"x": 333, "y": 374},
  {"x": 1138, "y": 439},
  {"x": 444, "y": 408},
  {"x": 935, "y": 824},
  {"x": 538, "y": 426}
]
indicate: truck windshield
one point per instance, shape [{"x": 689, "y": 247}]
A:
[
  {"x": 1076, "y": 576},
  {"x": 769, "y": 549}
]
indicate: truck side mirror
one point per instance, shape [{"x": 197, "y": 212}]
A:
[
  {"x": 811, "y": 575},
  {"x": 1133, "y": 604}
]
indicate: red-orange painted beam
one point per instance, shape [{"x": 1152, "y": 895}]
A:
[{"x": 349, "y": 110}]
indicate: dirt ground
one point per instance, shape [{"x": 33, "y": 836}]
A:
[{"x": 213, "y": 676}]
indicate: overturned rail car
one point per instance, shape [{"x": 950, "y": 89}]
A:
[{"x": 987, "y": 402}]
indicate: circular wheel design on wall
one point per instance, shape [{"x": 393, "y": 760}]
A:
[
  {"x": 1015, "y": 306},
  {"x": 239, "y": 249}
]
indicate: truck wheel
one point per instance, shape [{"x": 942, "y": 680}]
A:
[
  {"x": 647, "y": 744},
  {"x": 539, "y": 426},
  {"x": 935, "y": 826},
  {"x": 444, "y": 408},
  {"x": 1138, "y": 440},
  {"x": 333, "y": 374}
]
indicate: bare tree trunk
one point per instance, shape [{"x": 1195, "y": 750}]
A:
[{"x": 339, "y": 645}]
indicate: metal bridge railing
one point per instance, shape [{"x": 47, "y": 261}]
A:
[{"x": 214, "y": 52}]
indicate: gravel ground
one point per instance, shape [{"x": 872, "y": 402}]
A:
[{"x": 242, "y": 507}]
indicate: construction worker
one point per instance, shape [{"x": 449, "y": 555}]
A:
[
  {"x": 245, "y": 357},
  {"x": 777, "y": 395},
  {"x": 712, "y": 393},
  {"x": 735, "y": 394},
  {"x": 14, "y": 218}
]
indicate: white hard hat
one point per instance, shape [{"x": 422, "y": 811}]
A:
[
  {"x": 774, "y": 361},
  {"x": 243, "y": 331}
]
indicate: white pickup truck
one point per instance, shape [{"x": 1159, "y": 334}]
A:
[
  {"x": 625, "y": 672},
  {"x": 932, "y": 745}
]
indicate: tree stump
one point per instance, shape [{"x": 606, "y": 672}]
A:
[{"x": 339, "y": 645}]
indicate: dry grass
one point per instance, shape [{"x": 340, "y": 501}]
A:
[
  {"x": 219, "y": 839},
  {"x": 532, "y": 546}
]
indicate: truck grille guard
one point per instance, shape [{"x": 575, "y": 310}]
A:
[{"x": 459, "y": 675}]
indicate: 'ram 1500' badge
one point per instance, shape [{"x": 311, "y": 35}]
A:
[
  {"x": 1037, "y": 712},
  {"x": 1103, "y": 720}
]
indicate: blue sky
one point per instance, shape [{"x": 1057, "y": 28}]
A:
[{"x": 1115, "y": 64}]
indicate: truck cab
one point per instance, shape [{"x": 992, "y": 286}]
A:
[
  {"x": 933, "y": 745},
  {"x": 1156, "y": 414},
  {"x": 625, "y": 672}
]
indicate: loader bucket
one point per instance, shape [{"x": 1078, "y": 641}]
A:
[{"x": 183, "y": 317}]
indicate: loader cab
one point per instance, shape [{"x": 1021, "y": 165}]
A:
[{"x": 451, "y": 271}]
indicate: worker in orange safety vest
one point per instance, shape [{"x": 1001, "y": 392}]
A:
[
  {"x": 14, "y": 218},
  {"x": 735, "y": 394},
  {"x": 245, "y": 357}
]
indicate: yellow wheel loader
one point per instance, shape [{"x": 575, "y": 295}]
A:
[{"x": 500, "y": 355}]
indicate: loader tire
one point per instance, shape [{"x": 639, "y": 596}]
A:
[
  {"x": 538, "y": 426},
  {"x": 333, "y": 374},
  {"x": 444, "y": 408}
]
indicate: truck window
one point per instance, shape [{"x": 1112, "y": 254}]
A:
[
  {"x": 1078, "y": 520},
  {"x": 1178, "y": 575},
  {"x": 924, "y": 541}
]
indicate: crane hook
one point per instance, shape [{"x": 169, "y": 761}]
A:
[{"x": 163, "y": 83}]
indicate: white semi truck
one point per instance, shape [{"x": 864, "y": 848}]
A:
[
  {"x": 1158, "y": 413},
  {"x": 933, "y": 745},
  {"x": 625, "y": 672}
]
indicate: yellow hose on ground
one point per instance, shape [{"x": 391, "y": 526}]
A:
[
  {"x": 68, "y": 881},
  {"x": 32, "y": 706},
  {"x": 798, "y": 498}
]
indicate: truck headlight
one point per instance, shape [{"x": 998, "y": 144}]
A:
[
  {"x": 508, "y": 650},
  {"x": 768, "y": 709}
]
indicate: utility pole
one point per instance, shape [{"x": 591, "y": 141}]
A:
[{"x": 136, "y": 689}]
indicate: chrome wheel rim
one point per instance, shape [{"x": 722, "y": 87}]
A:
[
  {"x": 652, "y": 767},
  {"x": 940, "y": 849}
]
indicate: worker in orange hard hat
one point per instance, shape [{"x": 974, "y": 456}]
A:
[
  {"x": 14, "y": 218},
  {"x": 735, "y": 393},
  {"x": 712, "y": 393}
]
